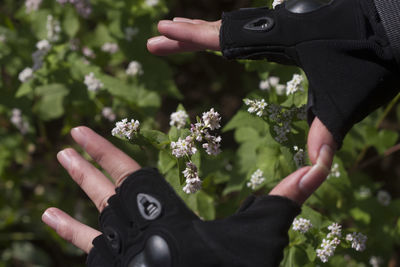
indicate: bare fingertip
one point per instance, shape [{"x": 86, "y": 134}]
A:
[{"x": 50, "y": 218}]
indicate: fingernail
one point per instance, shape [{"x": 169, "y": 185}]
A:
[
  {"x": 64, "y": 159},
  {"x": 165, "y": 22},
  {"x": 325, "y": 156},
  {"x": 313, "y": 179},
  {"x": 155, "y": 40},
  {"x": 79, "y": 136},
  {"x": 179, "y": 19},
  {"x": 50, "y": 219}
]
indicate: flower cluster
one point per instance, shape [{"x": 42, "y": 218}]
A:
[
  {"x": 301, "y": 225},
  {"x": 32, "y": 5},
  {"x": 357, "y": 240},
  {"x": 151, "y": 3},
  {"x": 211, "y": 119},
  {"x": 53, "y": 29},
  {"x": 186, "y": 147},
  {"x": 87, "y": 52},
  {"x": 111, "y": 48},
  {"x": 334, "y": 171},
  {"x": 93, "y": 84},
  {"x": 25, "y": 75},
  {"x": 375, "y": 261},
  {"x": 134, "y": 68},
  {"x": 327, "y": 249},
  {"x": 335, "y": 230},
  {"x": 183, "y": 147},
  {"x": 256, "y": 106},
  {"x": 384, "y": 197},
  {"x": 43, "y": 47},
  {"x": 256, "y": 179},
  {"x": 126, "y": 129},
  {"x": 300, "y": 157},
  {"x": 332, "y": 240},
  {"x": 130, "y": 32},
  {"x": 272, "y": 82},
  {"x": 17, "y": 120},
  {"x": 108, "y": 113},
  {"x": 294, "y": 84},
  {"x": 193, "y": 182},
  {"x": 179, "y": 119},
  {"x": 83, "y": 7}
]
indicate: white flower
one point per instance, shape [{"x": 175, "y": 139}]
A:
[
  {"x": 264, "y": 85},
  {"x": 92, "y": 83},
  {"x": 328, "y": 248},
  {"x": 336, "y": 230},
  {"x": 83, "y": 7},
  {"x": 25, "y": 75},
  {"x": 384, "y": 197},
  {"x": 130, "y": 33},
  {"x": 212, "y": 146},
  {"x": 358, "y": 241},
  {"x": 198, "y": 131},
  {"x": 294, "y": 85},
  {"x": 193, "y": 182},
  {"x": 134, "y": 68},
  {"x": 211, "y": 119},
  {"x": 256, "y": 179},
  {"x": 32, "y": 5},
  {"x": 43, "y": 45},
  {"x": 300, "y": 157},
  {"x": 17, "y": 120},
  {"x": 108, "y": 113},
  {"x": 126, "y": 129},
  {"x": 3, "y": 38},
  {"x": 87, "y": 52},
  {"x": 375, "y": 261},
  {"x": 183, "y": 147},
  {"x": 301, "y": 225},
  {"x": 178, "y": 119},
  {"x": 111, "y": 48},
  {"x": 151, "y": 3},
  {"x": 364, "y": 192},
  {"x": 277, "y": 2},
  {"x": 256, "y": 106},
  {"x": 334, "y": 171},
  {"x": 53, "y": 29}
]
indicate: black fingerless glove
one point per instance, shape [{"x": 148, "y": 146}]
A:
[
  {"x": 147, "y": 225},
  {"x": 342, "y": 46}
]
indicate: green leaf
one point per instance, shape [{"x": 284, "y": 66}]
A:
[
  {"x": 70, "y": 23},
  {"x": 311, "y": 253},
  {"x": 50, "y": 103},
  {"x": 156, "y": 138},
  {"x": 205, "y": 206},
  {"x": 166, "y": 161},
  {"x": 360, "y": 215},
  {"x": 23, "y": 90}
]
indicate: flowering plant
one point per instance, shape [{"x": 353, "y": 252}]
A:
[{"x": 236, "y": 133}]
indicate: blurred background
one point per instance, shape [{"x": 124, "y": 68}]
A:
[{"x": 38, "y": 108}]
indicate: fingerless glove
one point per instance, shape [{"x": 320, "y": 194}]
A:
[
  {"x": 147, "y": 225},
  {"x": 341, "y": 45}
]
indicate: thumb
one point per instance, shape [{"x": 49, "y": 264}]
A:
[{"x": 318, "y": 138}]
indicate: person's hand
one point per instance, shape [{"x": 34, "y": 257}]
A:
[
  {"x": 187, "y": 35},
  {"x": 297, "y": 187}
]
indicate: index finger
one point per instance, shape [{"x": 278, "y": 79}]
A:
[{"x": 111, "y": 159}]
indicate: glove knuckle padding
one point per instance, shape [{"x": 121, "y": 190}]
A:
[
  {"x": 340, "y": 44},
  {"x": 147, "y": 225}
]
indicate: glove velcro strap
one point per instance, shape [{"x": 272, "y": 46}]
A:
[
  {"x": 141, "y": 191},
  {"x": 389, "y": 12}
]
